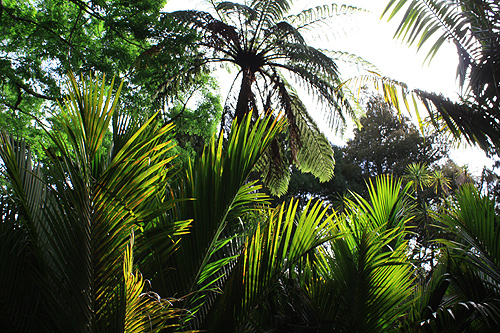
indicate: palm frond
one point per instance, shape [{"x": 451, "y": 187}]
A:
[
  {"x": 144, "y": 311},
  {"x": 218, "y": 183},
  {"x": 87, "y": 207},
  {"x": 475, "y": 222},
  {"x": 21, "y": 204},
  {"x": 478, "y": 126},
  {"x": 315, "y": 154},
  {"x": 317, "y": 73},
  {"x": 270, "y": 11},
  {"x": 473, "y": 27},
  {"x": 366, "y": 267},
  {"x": 423, "y": 19},
  {"x": 271, "y": 252},
  {"x": 476, "y": 248},
  {"x": 232, "y": 8},
  {"x": 274, "y": 169},
  {"x": 310, "y": 149}
]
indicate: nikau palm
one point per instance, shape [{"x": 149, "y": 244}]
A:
[
  {"x": 265, "y": 43},
  {"x": 69, "y": 223}
]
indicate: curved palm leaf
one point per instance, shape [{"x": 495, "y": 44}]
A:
[
  {"x": 271, "y": 253},
  {"x": 144, "y": 311}
]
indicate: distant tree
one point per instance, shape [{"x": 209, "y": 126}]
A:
[
  {"x": 489, "y": 183},
  {"x": 385, "y": 144}
]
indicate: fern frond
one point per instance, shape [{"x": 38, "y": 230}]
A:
[{"x": 312, "y": 17}]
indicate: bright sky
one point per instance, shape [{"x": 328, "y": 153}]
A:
[{"x": 371, "y": 38}]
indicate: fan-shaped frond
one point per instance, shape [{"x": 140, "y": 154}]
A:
[
  {"x": 475, "y": 221},
  {"x": 363, "y": 277}
]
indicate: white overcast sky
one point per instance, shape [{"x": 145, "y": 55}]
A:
[{"x": 371, "y": 38}]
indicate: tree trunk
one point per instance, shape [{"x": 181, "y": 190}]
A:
[{"x": 245, "y": 95}]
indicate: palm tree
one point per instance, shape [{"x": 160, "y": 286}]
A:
[
  {"x": 265, "y": 44},
  {"x": 474, "y": 27},
  {"x": 67, "y": 228},
  {"x": 365, "y": 276}
]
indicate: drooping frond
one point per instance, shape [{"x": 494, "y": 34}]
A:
[
  {"x": 395, "y": 93},
  {"x": 319, "y": 74},
  {"x": 352, "y": 59},
  {"x": 144, "y": 311},
  {"x": 315, "y": 154},
  {"x": 473, "y": 26},
  {"x": 282, "y": 32},
  {"x": 274, "y": 169},
  {"x": 425, "y": 18},
  {"x": 216, "y": 34},
  {"x": 476, "y": 125},
  {"x": 310, "y": 18},
  {"x": 310, "y": 149}
]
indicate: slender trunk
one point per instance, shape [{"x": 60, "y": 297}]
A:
[{"x": 245, "y": 95}]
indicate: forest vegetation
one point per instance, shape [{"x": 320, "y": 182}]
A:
[{"x": 127, "y": 208}]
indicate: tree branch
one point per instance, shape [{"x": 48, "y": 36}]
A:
[{"x": 28, "y": 89}]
